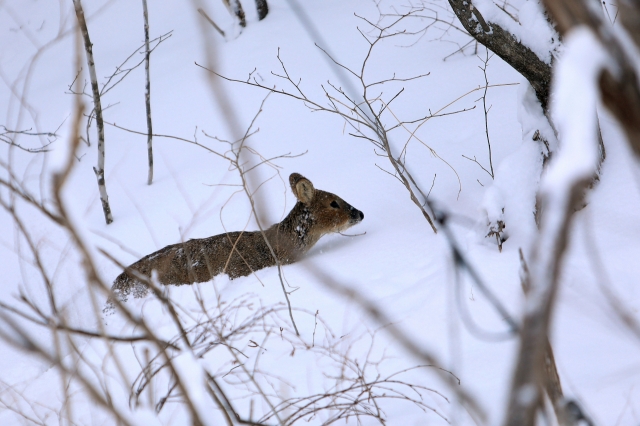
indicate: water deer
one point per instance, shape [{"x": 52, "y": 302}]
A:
[{"x": 238, "y": 254}]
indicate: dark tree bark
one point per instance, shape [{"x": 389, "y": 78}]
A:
[
  {"x": 238, "y": 11},
  {"x": 263, "y": 9},
  {"x": 504, "y": 44},
  {"x": 520, "y": 57}
]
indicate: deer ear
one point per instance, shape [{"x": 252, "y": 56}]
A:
[{"x": 302, "y": 188}]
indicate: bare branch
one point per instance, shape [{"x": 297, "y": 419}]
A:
[
  {"x": 209, "y": 20},
  {"x": 6, "y": 136}
]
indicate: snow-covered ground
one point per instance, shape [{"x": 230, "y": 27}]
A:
[{"x": 398, "y": 263}]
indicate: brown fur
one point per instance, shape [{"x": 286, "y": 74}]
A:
[{"x": 240, "y": 253}]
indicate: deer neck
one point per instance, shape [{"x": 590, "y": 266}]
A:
[{"x": 296, "y": 231}]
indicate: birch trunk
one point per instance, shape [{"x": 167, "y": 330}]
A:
[
  {"x": 238, "y": 11},
  {"x": 263, "y": 9},
  {"x": 99, "y": 170},
  {"x": 147, "y": 91}
]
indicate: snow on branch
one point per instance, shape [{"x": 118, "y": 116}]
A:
[
  {"x": 504, "y": 44},
  {"x": 618, "y": 82},
  {"x": 575, "y": 91}
]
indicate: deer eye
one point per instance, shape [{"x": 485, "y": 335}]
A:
[{"x": 334, "y": 204}]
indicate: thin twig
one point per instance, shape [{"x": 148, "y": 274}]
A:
[{"x": 209, "y": 20}]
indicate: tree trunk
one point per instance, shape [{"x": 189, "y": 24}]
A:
[
  {"x": 147, "y": 91},
  {"x": 97, "y": 107},
  {"x": 263, "y": 9},
  {"x": 237, "y": 10},
  {"x": 503, "y": 44}
]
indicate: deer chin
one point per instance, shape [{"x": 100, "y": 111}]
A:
[
  {"x": 347, "y": 225},
  {"x": 355, "y": 220}
]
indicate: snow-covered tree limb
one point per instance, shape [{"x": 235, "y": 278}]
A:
[
  {"x": 561, "y": 190},
  {"x": 505, "y": 45},
  {"x": 618, "y": 81}
]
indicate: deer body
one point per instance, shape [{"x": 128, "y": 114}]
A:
[{"x": 240, "y": 253}]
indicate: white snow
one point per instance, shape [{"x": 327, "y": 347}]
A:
[
  {"x": 526, "y": 21},
  {"x": 399, "y": 264},
  {"x": 574, "y": 110}
]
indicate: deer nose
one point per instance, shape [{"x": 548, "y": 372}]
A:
[{"x": 356, "y": 214}]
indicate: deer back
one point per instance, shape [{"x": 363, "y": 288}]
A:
[{"x": 237, "y": 254}]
